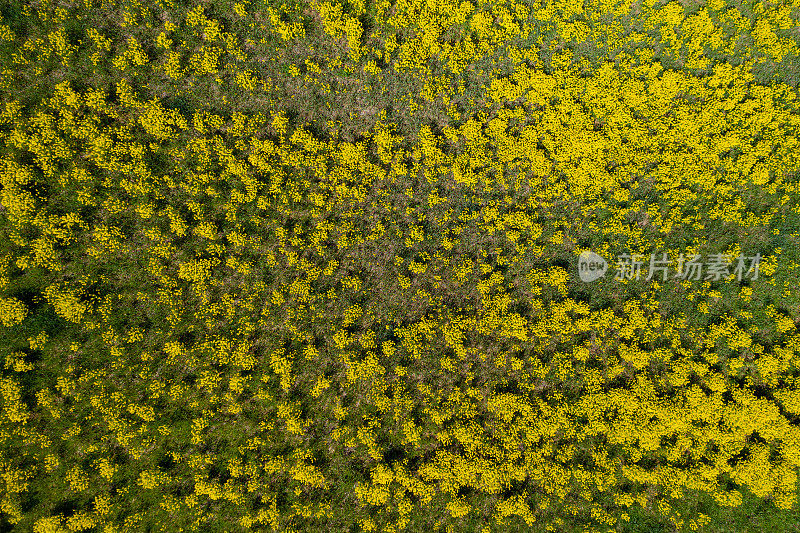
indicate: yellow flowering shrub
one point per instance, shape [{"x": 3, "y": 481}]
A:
[
  {"x": 12, "y": 311},
  {"x": 389, "y": 333},
  {"x": 66, "y": 304}
]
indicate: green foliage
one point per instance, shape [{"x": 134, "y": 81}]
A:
[{"x": 310, "y": 266}]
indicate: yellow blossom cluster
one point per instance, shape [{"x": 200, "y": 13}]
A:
[{"x": 205, "y": 304}]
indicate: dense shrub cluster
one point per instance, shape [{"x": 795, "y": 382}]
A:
[{"x": 310, "y": 266}]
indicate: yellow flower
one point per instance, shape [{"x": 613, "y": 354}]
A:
[{"x": 12, "y": 311}]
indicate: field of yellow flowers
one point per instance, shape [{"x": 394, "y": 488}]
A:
[{"x": 312, "y": 266}]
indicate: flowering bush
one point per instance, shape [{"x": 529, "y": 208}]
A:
[{"x": 308, "y": 266}]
